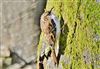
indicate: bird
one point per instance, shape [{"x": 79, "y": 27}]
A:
[{"x": 50, "y": 28}]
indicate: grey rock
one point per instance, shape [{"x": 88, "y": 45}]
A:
[
  {"x": 20, "y": 27},
  {"x": 30, "y": 66},
  {"x": 4, "y": 51},
  {"x": 19, "y": 0},
  {"x": 20, "y": 32},
  {"x": 15, "y": 66}
]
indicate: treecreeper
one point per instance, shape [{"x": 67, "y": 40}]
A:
[{"x": 50, "y": 30}]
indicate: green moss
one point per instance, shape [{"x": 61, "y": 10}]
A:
[
  {"x": 80, "y": 22},
  {"x": 39, "y": 46}
]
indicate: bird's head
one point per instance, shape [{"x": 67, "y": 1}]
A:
[{"x": 47, "y": 13}]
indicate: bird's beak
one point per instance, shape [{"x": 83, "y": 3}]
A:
[{"x": 50, "y": 11}]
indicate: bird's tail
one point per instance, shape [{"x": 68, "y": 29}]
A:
[{"x": 54, "y": 57}]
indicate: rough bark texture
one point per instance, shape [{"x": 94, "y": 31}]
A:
[{"x": 80, "y": 33}]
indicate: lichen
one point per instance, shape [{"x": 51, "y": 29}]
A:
[{"x": 80, "y": 22}]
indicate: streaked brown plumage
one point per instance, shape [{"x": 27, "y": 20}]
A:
[{"x": 49, "y": 30}]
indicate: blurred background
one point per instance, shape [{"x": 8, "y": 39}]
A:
[{"x": 19, "y": 32}]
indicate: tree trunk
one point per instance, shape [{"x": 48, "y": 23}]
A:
[{"x": 80, "y": 33}]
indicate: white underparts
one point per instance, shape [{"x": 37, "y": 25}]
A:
[{"x": 57, "y": 23}]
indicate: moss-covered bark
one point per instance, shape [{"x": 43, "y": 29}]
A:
[{"x": 80, "y": 20}]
